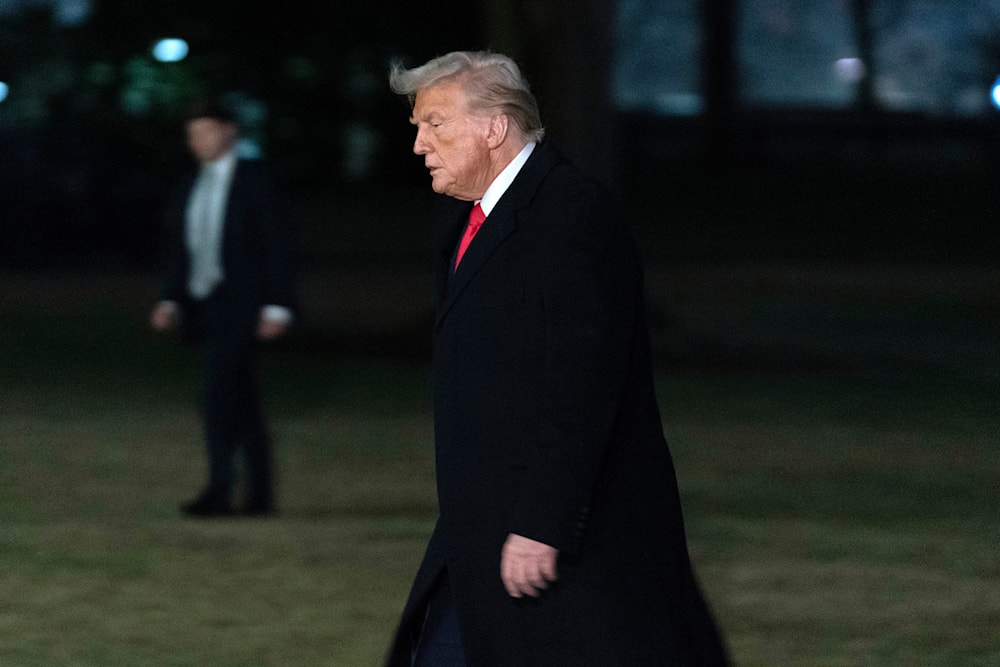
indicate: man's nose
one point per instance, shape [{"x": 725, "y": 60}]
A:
[{"x": 420, "y": 146}]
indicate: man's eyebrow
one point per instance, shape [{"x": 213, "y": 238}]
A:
[{"x": 428, "y": 117}]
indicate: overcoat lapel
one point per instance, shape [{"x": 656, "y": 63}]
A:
[
  {"x": 236, "y": 187},
  {"x": 452, "y": 216},
  {"x": 500, "y": 224}
]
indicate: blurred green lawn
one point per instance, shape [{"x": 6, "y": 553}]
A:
[{"x": 839, "y": 487}]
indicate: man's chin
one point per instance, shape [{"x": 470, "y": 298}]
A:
[{"x": 450, "y": 192}]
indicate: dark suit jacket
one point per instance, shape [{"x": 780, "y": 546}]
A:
[
  {"x": 257, "y": 246},
  {"x": 546, "y": 425}
]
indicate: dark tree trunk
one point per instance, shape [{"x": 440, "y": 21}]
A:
[
  {"x": 719, "y": 78},
  {"x": 861, "y": 16},
  {"x": 565, "y": 48}
]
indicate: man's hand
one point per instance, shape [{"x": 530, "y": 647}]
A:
[
  {"x": 164, "y": 316},
  {"x": 269, "y": 329},
  {"x": 526, "y": 566}
]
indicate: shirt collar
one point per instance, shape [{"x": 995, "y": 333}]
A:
[{"x": 505, "y": 178}]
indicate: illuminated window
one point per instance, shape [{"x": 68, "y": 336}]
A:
[
  {"x": 937, "y": 57},
  {"x": 656, "y": 68}
]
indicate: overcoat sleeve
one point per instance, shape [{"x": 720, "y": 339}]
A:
[
  {"x": 277, "y": 228},
  {"x": 591, "y": 281}
]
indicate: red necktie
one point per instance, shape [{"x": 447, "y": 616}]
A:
[{"x": 476, "y": 218}]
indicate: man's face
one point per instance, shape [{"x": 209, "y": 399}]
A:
[
  {"x": 209, "y": 138},
  {"x": 453, "y": 142}
]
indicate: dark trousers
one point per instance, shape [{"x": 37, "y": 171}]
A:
[
  {"x": 440, "y": 643},
  {"x": 231, "y": 407}
]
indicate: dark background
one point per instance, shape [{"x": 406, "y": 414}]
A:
[{"x": 86, "y": 162}]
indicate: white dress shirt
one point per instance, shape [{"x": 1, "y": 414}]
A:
[
  {"x": 203, "y": 220},
  {"x": 504, "y": 179}
]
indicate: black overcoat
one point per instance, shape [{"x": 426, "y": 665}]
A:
[{"x": 546, "y": 425}]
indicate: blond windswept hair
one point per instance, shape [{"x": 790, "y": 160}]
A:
[{"x": 492, "y": 81}]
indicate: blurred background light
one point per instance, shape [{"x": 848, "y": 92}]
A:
[
  {"x": 170, "y": 50},
  {"x": 850, "y": 70},
  {"x": 995, "y": 93},
  {"x": 71, "y": 12},
  {"x": 4, "y": 89}
]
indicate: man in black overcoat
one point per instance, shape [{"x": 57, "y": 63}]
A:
[
  {"x": 229, "y": 285},
  {"x": 560, "y": 539}
]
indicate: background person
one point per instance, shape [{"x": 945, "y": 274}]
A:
[{"x": 229, "y": 285}]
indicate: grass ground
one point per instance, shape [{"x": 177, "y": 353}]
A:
[{"x": 835, "y": 438}]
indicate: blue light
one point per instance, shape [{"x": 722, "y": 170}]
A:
[
  {"x": 995, "y": 93},
  {"x": 170, "y": 50},
  {"x": 71, "y": 12},
  {"x": 4, "y": 90}
]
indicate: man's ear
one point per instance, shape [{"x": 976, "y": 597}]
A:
[{"x": 497, "y": 132}]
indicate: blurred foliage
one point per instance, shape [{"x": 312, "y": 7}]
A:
[{"x": 311, "y": 81}]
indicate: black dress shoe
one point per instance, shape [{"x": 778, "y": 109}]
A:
[{"x": 207, "y": 506}]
